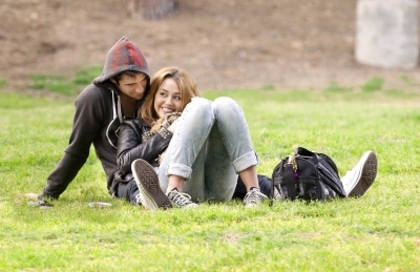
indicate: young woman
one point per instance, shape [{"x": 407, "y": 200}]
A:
[{"x": 208, "y": 146}]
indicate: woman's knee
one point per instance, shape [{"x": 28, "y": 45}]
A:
[
  {"x": 223, "y": 102},
  {"x": 199, "y": 106},
  {"x": 226, "y": 107}
]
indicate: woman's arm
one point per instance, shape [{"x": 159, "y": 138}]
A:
[{"x": 131, "y": 146}]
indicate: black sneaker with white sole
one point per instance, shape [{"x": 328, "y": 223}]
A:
[{"x": 152, "y": 197}]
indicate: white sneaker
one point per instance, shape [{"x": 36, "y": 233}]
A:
[
  {"x": 254, "y": 197},
  {"x": 358, "y": 180},
  {"x": 181, "y": 199}
]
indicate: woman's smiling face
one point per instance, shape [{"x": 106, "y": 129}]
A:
[{"x": 168, "y": 98}]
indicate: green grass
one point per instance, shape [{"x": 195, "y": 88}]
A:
[
  {"x": 3, "y": 83},
  {"x": 373, "y": 84},
  {"x": 61, "y": 85},
  {"x": 377, "y": 232}
]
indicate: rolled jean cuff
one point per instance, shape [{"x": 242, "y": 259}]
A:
[
  {"x": 245, "y": 161},
  {"x": 179, "y": 170}
]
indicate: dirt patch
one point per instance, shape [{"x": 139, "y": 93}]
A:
[{"x": 225, "y": 44}]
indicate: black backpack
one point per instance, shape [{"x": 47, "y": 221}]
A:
[{"x": 306, "y": 175}]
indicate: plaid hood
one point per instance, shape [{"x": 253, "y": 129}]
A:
[{"x": 123, "y": 56}]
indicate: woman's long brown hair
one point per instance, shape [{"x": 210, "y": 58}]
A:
[{"x": 186, "y": 85}]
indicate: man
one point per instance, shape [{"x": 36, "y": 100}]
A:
[{"x": 100, "y": 108}]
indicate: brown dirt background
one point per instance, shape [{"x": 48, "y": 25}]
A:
[{"x": 225, "y": 44}]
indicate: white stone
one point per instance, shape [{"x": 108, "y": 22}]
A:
[{"x": 387, "y": 33}]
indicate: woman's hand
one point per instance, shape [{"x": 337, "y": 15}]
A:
[{"x": 174, "y": 125}]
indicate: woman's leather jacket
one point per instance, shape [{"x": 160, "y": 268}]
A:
[{"x": 135, "y": 142}]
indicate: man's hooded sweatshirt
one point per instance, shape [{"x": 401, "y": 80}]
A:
[{"x": 98, "y": 116}]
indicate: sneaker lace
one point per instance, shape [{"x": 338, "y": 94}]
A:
[
  {"x": 180, "y": 198},
  {"x": 254, "y": 197}
]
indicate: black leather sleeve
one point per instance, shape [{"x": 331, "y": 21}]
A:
[{"x": 131, "y": 147}]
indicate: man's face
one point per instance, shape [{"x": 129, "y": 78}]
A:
[{"x": 133, "y": 87}]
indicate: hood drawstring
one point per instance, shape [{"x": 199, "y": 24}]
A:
[{"x": 117, "y": 118}]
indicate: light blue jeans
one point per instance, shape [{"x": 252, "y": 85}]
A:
[{"x": 210, "y": 146}]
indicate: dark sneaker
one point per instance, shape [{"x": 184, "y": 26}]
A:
[
  {"x": 358, "y": 180},
  {"x": 147, "y": 181},
  {"x": 181, "y": 199},
  {"x": 254, "y": 197}
]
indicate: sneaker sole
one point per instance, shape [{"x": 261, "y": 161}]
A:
[
  {"x": 367, "y": 175},
  {"x": 148, "y": 183}
]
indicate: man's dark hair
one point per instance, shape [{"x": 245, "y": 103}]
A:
[{"x": 129, "y": 73}]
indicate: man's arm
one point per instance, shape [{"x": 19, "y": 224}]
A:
[{"x": 87, "y": 122}]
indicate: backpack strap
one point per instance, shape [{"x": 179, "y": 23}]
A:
[{"x": 291, "y": 182}]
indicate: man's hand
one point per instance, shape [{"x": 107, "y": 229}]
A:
[{"x": 39, "y": 201}]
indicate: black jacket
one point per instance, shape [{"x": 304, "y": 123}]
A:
[{"x": 132, "y": 146}]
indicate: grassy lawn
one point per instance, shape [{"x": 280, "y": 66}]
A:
[{"x": 377, "y": 232}]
